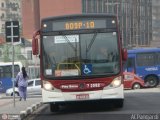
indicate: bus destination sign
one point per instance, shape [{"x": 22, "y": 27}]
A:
[
  {"x": 79, "y": 24},
  {"x": 63, "y": 25}
]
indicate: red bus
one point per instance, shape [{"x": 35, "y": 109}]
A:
[{"x": 71, "y": 70}]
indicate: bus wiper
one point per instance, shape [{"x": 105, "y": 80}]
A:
[
  {"x": 92, "y": 41},
  {"x": 74, "y": 48},
  {"x": 54, "y": 59}
]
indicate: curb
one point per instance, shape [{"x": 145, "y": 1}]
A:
[
  {"x": 29, "y": 110},
  {"x": 9, "y": 97}
]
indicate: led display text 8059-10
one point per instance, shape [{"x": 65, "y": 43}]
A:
[{"x": 79, "y": 25}]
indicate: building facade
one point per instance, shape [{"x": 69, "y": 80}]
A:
[
  {"x": 156, "y": 23},
  {"x": 40, "y": 9},
  {"x": 135, "y": 16},
  {"x": 10, "y": 10}
]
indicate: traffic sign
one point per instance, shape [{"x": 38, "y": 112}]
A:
[
  {"x": 12, "y": 31},
  {"x": 87, "y": 69}
]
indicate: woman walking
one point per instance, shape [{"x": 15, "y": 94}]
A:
[{"x": 21, "y": 79}]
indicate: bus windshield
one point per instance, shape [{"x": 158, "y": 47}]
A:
[{"x": 84, "y": 54}]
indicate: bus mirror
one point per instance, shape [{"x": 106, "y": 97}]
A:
[
  {"x": 35, "y": 46},
  {"x": 124, "y": 54},
  {"x": 35, "y": 43}
]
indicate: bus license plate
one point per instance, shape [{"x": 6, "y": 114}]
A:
[{"x": 82, "y": 96}]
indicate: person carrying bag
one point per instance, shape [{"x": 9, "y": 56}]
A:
[{"x": 21, "y": 83}]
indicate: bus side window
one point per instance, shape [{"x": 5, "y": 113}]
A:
[
  {"x": 130, "y": 62},
  {"x": 130, "y": 65},
  {"x": 157, "y": 58},
  {"x": 8, "y": 71}
]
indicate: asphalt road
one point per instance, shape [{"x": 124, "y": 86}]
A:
[{"x": 139, "y": 105}]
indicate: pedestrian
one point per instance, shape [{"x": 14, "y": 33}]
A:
[{"x": 21, "y": 79}]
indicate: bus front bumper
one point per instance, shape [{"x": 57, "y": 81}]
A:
[{"x": 51, "y": 96}]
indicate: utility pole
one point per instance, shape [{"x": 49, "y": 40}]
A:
[{"x": 12, "y": 35}]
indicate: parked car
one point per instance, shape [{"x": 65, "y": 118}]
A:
[
  {"x": 132, "y": 81},
  {"x": 34, "y": 88}
]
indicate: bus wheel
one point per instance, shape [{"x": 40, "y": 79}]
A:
[
  {"x": 119, "y": 103},
  {"x": 54, "y": 107},
  {"x": 151, "y": 81},
  {"x": 136, "y": 86}
]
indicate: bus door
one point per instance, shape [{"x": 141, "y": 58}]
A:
[{"x": 130, "y": 64}]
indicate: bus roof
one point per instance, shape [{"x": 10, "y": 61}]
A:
[
  {"x": 79, "y": 15},
  {"x": 143, "y": 50}
]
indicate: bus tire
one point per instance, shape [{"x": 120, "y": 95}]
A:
[
  {"x": 151, "y": 81},
  {"x": 119, "y": 103},
  {"x": 54, "y": 107}
]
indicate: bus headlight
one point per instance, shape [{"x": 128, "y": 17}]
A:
[
  {"x": 47, "y": 85},
  {"x": 116, "y": 82}
]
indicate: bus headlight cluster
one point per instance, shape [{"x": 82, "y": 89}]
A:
[
  {"x": 47, "y": 85},
  {"x": 116, "y": 82}
]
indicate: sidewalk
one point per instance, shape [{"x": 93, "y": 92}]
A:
[{"x": 21, "y": 109}]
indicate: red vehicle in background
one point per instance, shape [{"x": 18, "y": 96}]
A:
[{"x": 132, "y": 81}]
